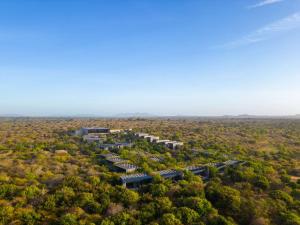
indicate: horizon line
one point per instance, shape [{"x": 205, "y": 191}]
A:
[{"x": 146, "y": 116}]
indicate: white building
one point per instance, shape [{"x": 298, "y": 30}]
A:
[
  {"x": 151, "y": 138},
  {"x": 91, "y": 138},
  {"x": 141, "y": 135},
  {"x": 92, "y": 130}
]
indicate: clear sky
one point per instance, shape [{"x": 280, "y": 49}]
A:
[{"x": 164, "y": 57}]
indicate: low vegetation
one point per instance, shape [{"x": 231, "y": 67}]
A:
[{"x": 39, "y": 184}]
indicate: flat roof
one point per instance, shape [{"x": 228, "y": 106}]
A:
[
  {"x": 231, "y": 162},
  {"x": 89, "y": 128},
  {"x": 156, "y": 159},
  {"x": 195, "y": 167},
  {"x": 123, "y": 143},
  {"x": 168, "y": 172},
  {"x": 107, "y": 145},
  {"x": 90, "y": 137},
  {"x": 109, "y": 155},
  {"x": 135, "y": 177},
  {"x": 174, "y": 142},
  {"x": 161, "y": 141},
  {"x": 126, "y": 166},
  {"x": 152, "y": 136},
  {"x": 116, "y": 144},
  {"x": 116, "y": 159}
]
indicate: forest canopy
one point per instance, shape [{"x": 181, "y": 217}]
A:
[{"x": 50, "y": 176}]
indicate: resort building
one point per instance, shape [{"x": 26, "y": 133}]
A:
[
  {"x": 125, "y": 167},
  {"x": 116, "y": 159},
  {"x": 141, "y": 135},
  {"x": 174, "y": 144},
  {"x": 170, "y": 174},
  {"x": 115, "y": 145},
  {"x": 93, "y": 130},
  {"x": 90, "y": 138},
  {"x": 151, "y": 138},
  {"x": 135, "y": 180},
  {"x": 108, "y": 155}
]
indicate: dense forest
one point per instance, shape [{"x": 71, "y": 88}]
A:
[{"x": 40, "y": 184}]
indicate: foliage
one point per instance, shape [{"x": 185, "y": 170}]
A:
[{"x": 40, "y": 186}]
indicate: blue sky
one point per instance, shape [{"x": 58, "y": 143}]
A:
[{"x": 171, "y": 57}]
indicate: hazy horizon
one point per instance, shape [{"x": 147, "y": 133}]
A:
[
  {"x": 164, "y": 58},
  {"x": 143, "y": 115}
]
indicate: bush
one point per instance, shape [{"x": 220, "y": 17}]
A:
[
  {"x": 8, "y": 191},
  {"x": 187, "y": 215},
  {"x": 261, "y": 182},
  {"x": 158, "y": 190},
  {"x": 200, "y": 205},
  {"x": 28, "y": 216},
  {"x": 224, "y": 198},
  {"x": 169, "y": 219},
  {"x": 31, "y": 192},
  {"x": 6, "y": 214},
  {"x": 281, "y": 195},
  {"x": 290, "y": 219},
  {"x": 50, "y": 202},
  {"x": 68, "y": 219},
  {"x": 220, "y": 220}
]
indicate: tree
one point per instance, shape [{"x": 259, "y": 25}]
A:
[
  {"x": 212, "y": 171},
  {"x": 224, "y": 198},
  {"x": 8, "y": 191},
  {"x": 281, "y": 195},
  {"x": 290, "y": 218},
  {"x": 65, "y": 196},
  {"x": 107, "y": 221},
  {"x": 220, "y": 220},
  {"x": 170, "y": 219},
  {"x": 261, "y": 182},
  {"x": 200, "y": 205},
  {"x": 31, "y": 192},
  {"x": 147, "y": 212},
  {"x": 193, "y": 188},
  {"x": 28, "y": 216},
  {"x": 126, "y": 196},
  {"x": 6, "y": 214},
  {"x": 68, "y": 219},
  {"x": 124, "y": 218},
  {"x": 104, "y": 199},
  {"x": 187, "y": 215},
  {"x": 74, "y": 182},
  {"x": 163, "y": 205},
  {"x": 92, "y": 207},
  {"x": 158, "y": 190},
  {"x": 50, "y": 202},
  {"x": 260, "y": 221}
]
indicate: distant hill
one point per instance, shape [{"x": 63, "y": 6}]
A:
[
  {"x": 246, "y": 116},
  {"x": 11, "y": 115},
  {"x": 148, "y": 115},
  {"x": 130, "y": 115}
]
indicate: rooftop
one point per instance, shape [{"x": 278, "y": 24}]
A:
[
  {"x": 195, "y": 167},
  {"x": 109, "y": 155},
  {"x": 126, "y": 166},
  {"x": 115, "y": 159},
  {"x": 169, "y": 172},
  {"x": 156, "y": 159},
  {"x": 162, "y": 141},
  {"x": 141, "y": 134},
  {"x": 91, "y": 128},
  {"x": 135, "y": 177}
]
